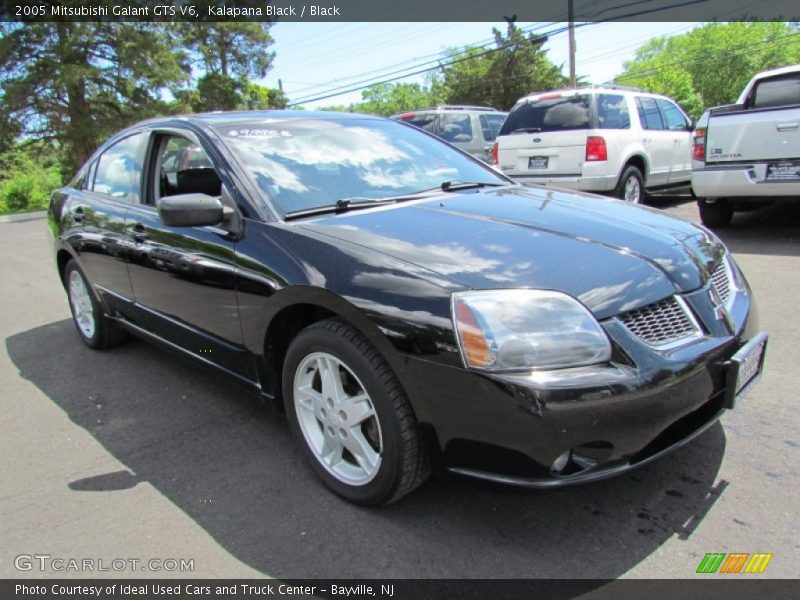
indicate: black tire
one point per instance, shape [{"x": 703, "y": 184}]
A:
[
  {"x": 104, "y": 333},
  {"x": 404, "y": 462},
  {"x": 630, "y": 173},
  {"x": 715, "y": 214}
]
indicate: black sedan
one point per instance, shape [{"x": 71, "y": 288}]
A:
[{"x": 407, "y": 306}]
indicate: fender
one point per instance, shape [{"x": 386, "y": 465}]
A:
[{"x": 314, "y": 301}]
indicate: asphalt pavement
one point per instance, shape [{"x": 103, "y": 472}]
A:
[{"x": 133, "y": 453}]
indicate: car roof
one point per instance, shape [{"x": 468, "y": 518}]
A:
[
  {"x": 484, "y": 110},
  {"x": 593, "y": 90},
  {"x": 218, "y": 119}
]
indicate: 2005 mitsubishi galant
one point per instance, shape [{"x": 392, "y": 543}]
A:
[{"x": 405, "y": 304}]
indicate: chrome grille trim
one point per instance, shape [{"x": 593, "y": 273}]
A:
[
  {"x": 722, "y": 281},
  {"x": 665, "y": 324}
]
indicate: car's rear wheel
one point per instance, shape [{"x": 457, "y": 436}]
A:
[
  {"x": 630, "y": 186},
  {"x": 350, "y": 414},
  {"x": 95, "y": 329},
  {"x": 715, "y": 214}
]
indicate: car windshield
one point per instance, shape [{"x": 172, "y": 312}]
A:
[
  {"x": 548, "y": 113},
  {"x": 310, "y": 163}
]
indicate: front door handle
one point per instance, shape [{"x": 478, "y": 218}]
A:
[{"x": 787, "y": 126}]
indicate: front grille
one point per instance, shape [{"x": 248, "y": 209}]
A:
[
  {"x": 720, "y": 279},
  {"x": 661, "y": 323}
]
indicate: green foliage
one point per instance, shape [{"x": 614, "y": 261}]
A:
[
  {"x": 79, "y": 82},
  {"x": 387, "y": 99},
  {"x": 30, "y": 174},
  {"x": 710, "y": 64},
  {"x": 236, "y": 49},
  {"x": 516, "y": 67}
]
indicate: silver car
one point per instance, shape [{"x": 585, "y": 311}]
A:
[{"x": 470, "y": 128}]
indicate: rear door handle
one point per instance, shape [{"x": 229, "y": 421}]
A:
[
  {"x": 787, "y": 126},
  {"x": 77, "y": 214}
]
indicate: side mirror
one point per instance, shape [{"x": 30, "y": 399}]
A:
[{"x": 190, "y": 210}]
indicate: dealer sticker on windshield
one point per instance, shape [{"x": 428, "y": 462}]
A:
[
  {"x": 783, "y": 170},
  {"x": 745, "y": 369}
]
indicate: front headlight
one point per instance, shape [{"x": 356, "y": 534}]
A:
[{"x": 507, "y": 330}]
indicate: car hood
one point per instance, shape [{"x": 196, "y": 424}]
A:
[{"x": 610, "y": 255}]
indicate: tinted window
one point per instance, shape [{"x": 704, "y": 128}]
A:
[
  {"x": 425, "y": 121},
  {"x": 186, "y": 169},
  {"x": 649, "y": 115},
  {"x": 491, "y": 124},
  {"x": 672, "y": 115},
  {"x": 612, "y": 112},
  {"x": 560, "y": 113},
  {"x": 302, "y": 164},
  {"x": 119, "y": 170},
  {"x": 455, "y": 128},
  {"x": 778, "y": 91}
]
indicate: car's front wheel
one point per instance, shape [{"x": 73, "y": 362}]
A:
[
  {"x": 95, "y": 329},
  {"x": 631, "y": 185},
  {"x": 350, "y": 414}
]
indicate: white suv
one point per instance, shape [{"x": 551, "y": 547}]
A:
[{"x": 611, "y": 140}]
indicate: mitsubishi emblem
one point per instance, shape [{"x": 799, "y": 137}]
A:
[{"x": 719, "y": 309}]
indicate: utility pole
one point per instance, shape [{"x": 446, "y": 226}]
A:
[{"x": 571, "y": 19}]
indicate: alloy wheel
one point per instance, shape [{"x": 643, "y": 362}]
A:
[
  {"x": 337, "y": 418},
  {"x": 82, "y": 306},
  {"x": 633, "y": 190}
]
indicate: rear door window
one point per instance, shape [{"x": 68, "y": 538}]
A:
[
  {"x": 649, "y": 115},
  {"x": 556, "y": 113},
  {"x": 119, "y": 169},
  {"x": 777, "y": 91},
  {"x": 491, "y": 124},
  {"x": 455, "y": 128}
]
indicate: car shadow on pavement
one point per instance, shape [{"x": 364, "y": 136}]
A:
[
  {"x": 769, "y": 230},
  {"x": 228, "y": 462}
]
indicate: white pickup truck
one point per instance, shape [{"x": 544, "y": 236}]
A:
[{"x": 749, "y": 151}]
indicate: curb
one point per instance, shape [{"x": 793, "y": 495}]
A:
[{"x": 31, "y": 216}]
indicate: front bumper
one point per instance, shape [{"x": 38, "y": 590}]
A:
[{"x": 558, "y": 428}]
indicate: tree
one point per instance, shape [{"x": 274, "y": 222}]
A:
[
  {"x": 387, "y": 99},
  {"x": 515, "y": 67},
  {"x": 710, "y": 64},
  {"x": 77, "y": 83},
  {"x": 236, "y": 49},
  {"x": 229, "y": 54}
]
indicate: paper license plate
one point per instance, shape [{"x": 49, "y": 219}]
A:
[
  {"x": 783, "y": 170},
  {"x": 745, "y": 369}
]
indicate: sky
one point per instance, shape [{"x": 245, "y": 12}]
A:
[{"x": 312, "y": 58}]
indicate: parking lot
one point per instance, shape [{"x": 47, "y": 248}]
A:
[{"x": 134, "y": 453}]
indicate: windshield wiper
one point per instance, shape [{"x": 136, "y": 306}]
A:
[
  {"x": 526, "y": 130},
  {"x": 354, "y": 203},
  {"x": 454, "y": 186},
  {"x": 359, "y": 202},
  {"x": 342, "y": 205}
]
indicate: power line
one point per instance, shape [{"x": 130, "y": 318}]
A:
[
  {"x": 439, "y": 65},
  {"x": 438, "y": 57}
]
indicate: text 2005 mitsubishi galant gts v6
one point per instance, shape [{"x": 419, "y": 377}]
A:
[{"x": 405, "y": 304}]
